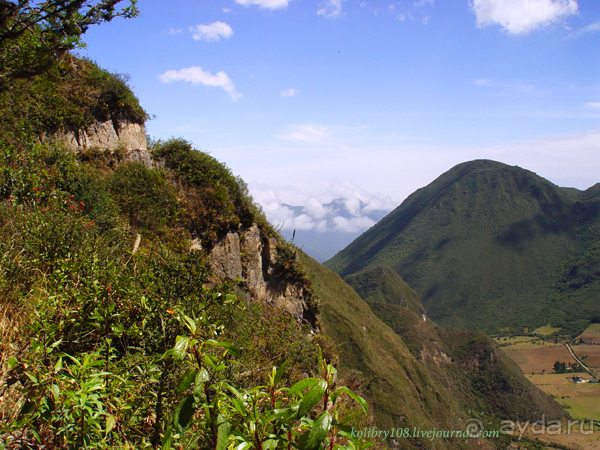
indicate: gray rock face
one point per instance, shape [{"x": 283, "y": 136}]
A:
[
  {"x": 110, "y": 135},
  {"x": 253, "y": 259}
]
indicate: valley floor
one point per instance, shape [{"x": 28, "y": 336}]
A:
[{"x": 536, "y": 356}]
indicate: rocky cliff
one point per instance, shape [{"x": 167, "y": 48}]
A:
[
  {"x": 251, "y": 258},
  {"x": 110, "y": 135}
]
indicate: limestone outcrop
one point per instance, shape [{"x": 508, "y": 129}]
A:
[
  {"x": 112, "y": 135},
  {"x": 252, "y": 258}
]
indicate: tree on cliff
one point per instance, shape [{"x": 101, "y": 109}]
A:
[{"x": 34, "y": 33}]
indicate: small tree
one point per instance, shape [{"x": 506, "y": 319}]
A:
[{"x": 33, "y": 34}]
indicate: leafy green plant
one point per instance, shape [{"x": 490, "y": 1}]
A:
[{"x": 262, "y": 417}]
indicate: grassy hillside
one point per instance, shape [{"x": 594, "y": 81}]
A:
[
  {"x": 381, "y": 284},
  {"x": 418, "y": 374},
  {"x": 468, "y": 364},
  {"x": 488, "y": 240}
]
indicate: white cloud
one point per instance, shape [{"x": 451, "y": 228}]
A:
[
  {"x": 289, "y": 93},
  {"x": 594, "y": 105},
  {"x": 512, "y": 87},
  {"x": 521, "y": 16},
  {"x": 196, "y": 75},
  {"x": 268, "y": 4},
  {"x": 174, "y": 31},
  {"x": 212, "y": 32},
  {"x": 339, "y": 206},
  {"x": 315, "y": 208},
  {"x": 352, "y": 225},
  {"x": 592, "y": 28},
  {"x": 311, "y": 132},
  {"x": 226, "y": 10},
  {"x": 331, "y": 8}
]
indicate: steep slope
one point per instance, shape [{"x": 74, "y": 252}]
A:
[
  {"x": 419, "y": 375},
  {"x": 382, "y": 285},
  {"x": 484, "y": 238},
  {"x": 468, "y": 364}
]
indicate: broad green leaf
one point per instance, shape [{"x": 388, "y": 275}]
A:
[
  {"x": 222, "y": 434},
  {"x": 111, "y": 421},
  {"x": 343, "y": 429},
  {"x": 55, "y": 392},
  {"x": 202, "y": 376},
  {"x": 239, "y": 406},
  {"x": 166, "y": 442},
  {"x": 186, "y": 380},
  {"x": 319, "y": 430},
  {"x": 301, "y": 385},
  {"x": 279, "y": 373},
  {"x": 230, "y": 348},
  {"x": 211, "y": 361},
  {"x": 269, "y": 444},
  {"x": 243, "y": 446},
  {"x": 191, "y": 324},
  {"x": 312, "y": 397},
  {"x": 234, "y": 391},
  {"x": 358, "y": 399},
  {"x": 12, "y": 363},
  {"x": 184, "y": 413},
  {"x": 181, "y": 345}
]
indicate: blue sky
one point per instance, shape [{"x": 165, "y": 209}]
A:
[{"x": 313, "y": 100}]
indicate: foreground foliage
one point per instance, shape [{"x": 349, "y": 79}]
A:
[{"x": 117, "y": 343}]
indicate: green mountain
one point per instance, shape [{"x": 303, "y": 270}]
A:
[
  {"x": 415, "y": 373},
  {"x": 468, "y": 364},
  {"x": 490, "y": 247}
]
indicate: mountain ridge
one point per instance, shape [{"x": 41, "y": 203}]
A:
[{"x": 478, "y": 236}]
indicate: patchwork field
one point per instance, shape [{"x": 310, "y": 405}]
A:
[
  {"x": 591, "y": 335},
  {"x": 582, "y": 400},
  {"x": 539, "y": 358},
  {"x": 592, "y": 352},
  {"x": 523, "y": 343}
]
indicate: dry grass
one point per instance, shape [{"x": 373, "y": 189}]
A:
[
  {"x": 12, "y": 321},
  {"x": 591, "y": 335},
  {"x": 539, "y": 359},
  {"x": 523, "y": 343},
  {"x": 591, "y": 351}
]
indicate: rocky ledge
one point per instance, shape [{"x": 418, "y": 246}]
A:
[{"x": 252, "y": 259}]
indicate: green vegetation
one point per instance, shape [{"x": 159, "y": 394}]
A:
[
  {"x": 491, "y": 247},
  {"x": 70, "y": 95},
  {"x": 582, "y": 408},
  {"x": 114, "y": 333},
  {"x": 111, "y": 344},
  {"x": 382, "y": 285},
  {"x": 563, "y": 367},
  {"x": 34, "y": 34},
  {"x": 388, "y": 353},
  {"x": 547, "y": 330},
  {"x": 215, "y": 200}
]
